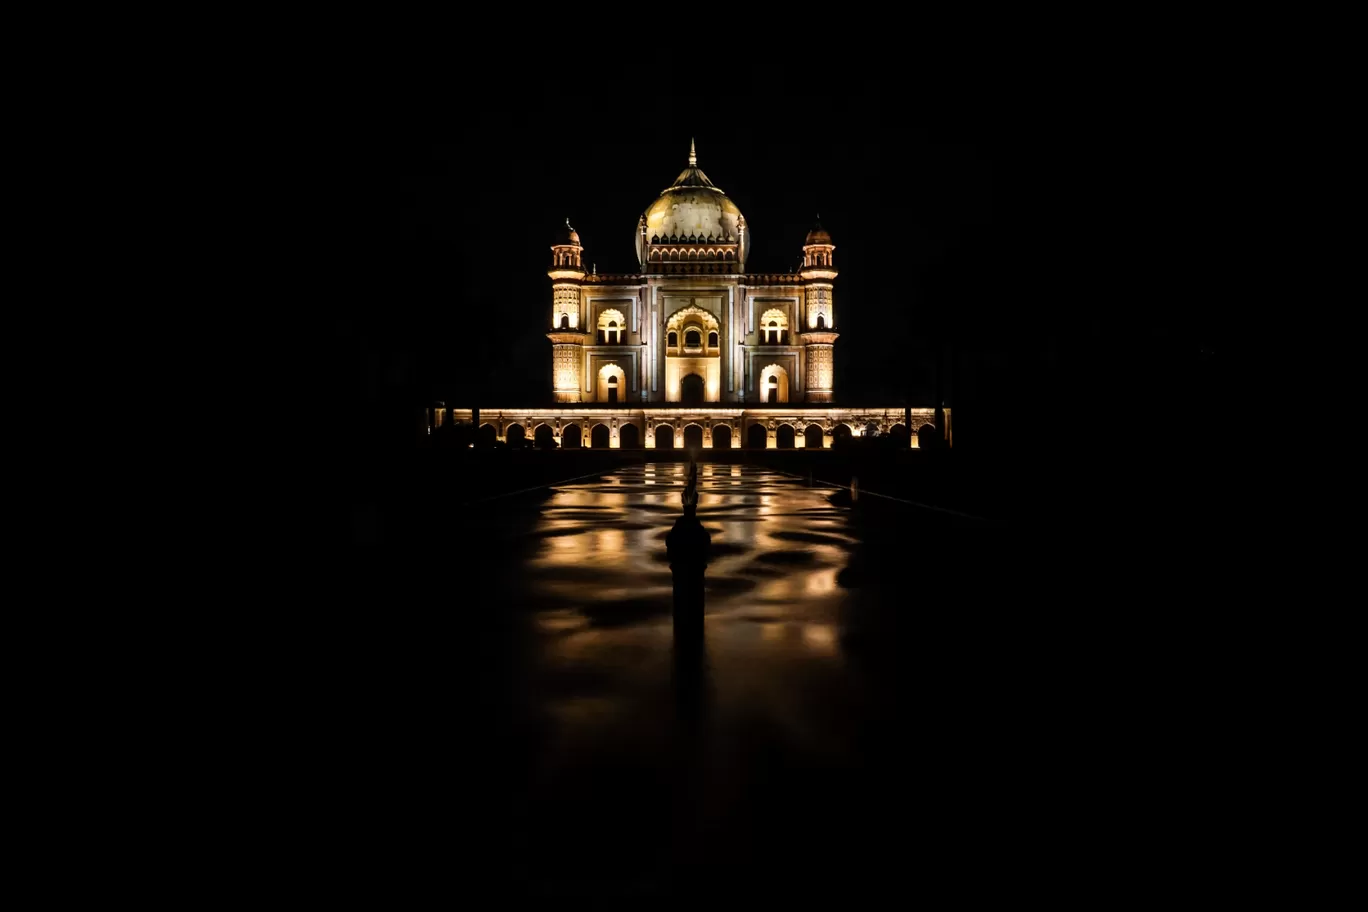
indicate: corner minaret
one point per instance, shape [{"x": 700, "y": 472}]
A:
[
  {"x": 567, "y": 335},
  {"x": 819, "y": 320}
]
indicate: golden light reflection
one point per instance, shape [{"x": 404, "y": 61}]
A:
[
  {"x": 611, "y": 540},
  {"x": 820, "y": 637},
  {"x": 820, "y": 582},
  {"x": 601, "y": 545}
]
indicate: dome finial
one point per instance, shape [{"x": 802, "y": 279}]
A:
[{"x": 693, "y": 157}]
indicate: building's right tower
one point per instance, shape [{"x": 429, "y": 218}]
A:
[{"x": 819, "y": 322}]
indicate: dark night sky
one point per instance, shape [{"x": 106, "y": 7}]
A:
[{"x": 1038, "y": 230}]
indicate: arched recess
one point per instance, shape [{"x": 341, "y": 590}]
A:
[
  {"x": 692, "y": 389},
  {"x": 721, "y": 436},
  {"x": 612, "y": 326},
  {"x": 900, "y": 436},
  {"x": 488, "y": 435},
  {"x": 927, "y": 437},
  {"x": 756, "y": 438},
  {"x": 664, "y": 437},
  {"x": 570, "y": 435},
  {"x": 514, "y": 434},
  {"x": 773, "y": 326},
  {"x": 812, "y": 437},
  {"x": 611, "y": 370},
  {"x": 598, "y": 437},
  {"x": 629, "y": 437},
  {"x": 693, "y": 437},
  {"x": 781, "y": 387},
  {"x": 692, "y": 316},
  {"x": 841, "y": 434},
  {"x": 545, "y": 437},
  {"x": 783, "y": 437}
]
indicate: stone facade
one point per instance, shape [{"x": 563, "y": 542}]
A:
[
  {"x": 796, "y": 427},
  {"x": 691, "y": 245}
]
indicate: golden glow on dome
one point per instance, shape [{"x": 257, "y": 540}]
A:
[{"x": 693, "y": 207}]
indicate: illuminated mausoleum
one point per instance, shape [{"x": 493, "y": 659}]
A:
[{"x": 693, "y": 341}]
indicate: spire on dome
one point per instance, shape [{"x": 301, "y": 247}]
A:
[{"x": 692, "y": 176}]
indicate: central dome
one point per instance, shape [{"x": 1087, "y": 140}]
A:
[{"x": 693, "y": 207}]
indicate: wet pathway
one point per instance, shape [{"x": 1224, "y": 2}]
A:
[{"x": 653, "y": 760}]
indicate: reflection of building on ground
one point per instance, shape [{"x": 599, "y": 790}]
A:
[
  {"x": 796, "y": 427},
  {"x": 742, "y": 357}
]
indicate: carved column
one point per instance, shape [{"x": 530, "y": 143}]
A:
[
  {"x": 820, "y": 365},
  {"x": 567, "y": 364}
]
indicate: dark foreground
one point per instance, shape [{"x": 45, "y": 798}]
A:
[{"x": 884, "y": 698}]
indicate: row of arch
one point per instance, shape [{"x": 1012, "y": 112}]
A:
[
  {"x": 757, "y": 435},
  {"x": 690, "y": 238},
  {"x": 571, "y": 435},
  {"x": 695, "y": 268},
  {"x": 670, "y": 255}
]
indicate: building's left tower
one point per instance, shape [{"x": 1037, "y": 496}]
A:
[{"x": 567, "y": 324}]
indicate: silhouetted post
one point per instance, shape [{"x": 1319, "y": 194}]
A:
[
  {"x": 687, "y": 548},
  {"x": 854, "y": 489}
]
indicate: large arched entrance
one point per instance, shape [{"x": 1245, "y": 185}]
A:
[
  {"x": 629, "y": 437},
  {"x": 664, "y": 436},
  {"x": 598, "y": 437},
  {"x": 570, "y": 436},
  {"x": 691, "y": 390},
  {"x": 783, "y": 438},
  {"x": 693, "y": 437},
  {"x": 812, "y": 437},
  {"x": 488, "y": 436},
  {"x": 515, "y": 434},
  {"x": 721, "y": 437},
  {"x": 756, "y": 438},
  {"x": 545, "y": 437}
]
